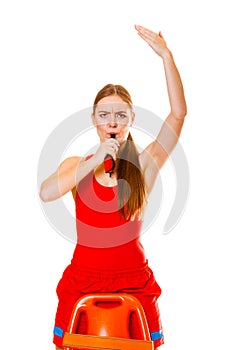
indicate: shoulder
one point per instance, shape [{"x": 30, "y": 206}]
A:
[{"x": 70, "y": 162}]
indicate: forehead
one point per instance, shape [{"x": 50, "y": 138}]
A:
[{"x": 110, "y": 103}]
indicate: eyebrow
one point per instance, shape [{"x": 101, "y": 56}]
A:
[{"x": 105, "y": 111}]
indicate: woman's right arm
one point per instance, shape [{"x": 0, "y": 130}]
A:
[{"x": 70, "y": 172}]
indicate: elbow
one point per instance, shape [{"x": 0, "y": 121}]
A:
[
  {"x": 48, "y": 192},
  {"x": 184, "y": 112},
  {"x": 180, "y": 114},
  {"x": 44, "y": 194}
]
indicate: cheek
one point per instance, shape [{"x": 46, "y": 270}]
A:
[
  {"x": 100, "y": 130},
  {"x": 124, "y": 132}
]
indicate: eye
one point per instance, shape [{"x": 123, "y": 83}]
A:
[
  {"x": 121, "y": 115},
  {"x": 103, "y": 115}
]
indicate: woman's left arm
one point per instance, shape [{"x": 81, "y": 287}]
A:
[{"x": 160, "y": 149}]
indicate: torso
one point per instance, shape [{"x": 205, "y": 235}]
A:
[{"x": 105, "y": 238}]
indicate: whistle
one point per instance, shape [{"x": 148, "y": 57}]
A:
[{"x": 109, "y": 163}]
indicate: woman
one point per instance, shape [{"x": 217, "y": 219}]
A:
[{"x": 108, "y": 256}]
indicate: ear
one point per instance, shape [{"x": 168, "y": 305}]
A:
[
  {"x": 93, "y": 119},
  {"x": 133, "y": 117}
]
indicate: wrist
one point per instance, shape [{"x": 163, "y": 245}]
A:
[
  {"x": 167, "y": 55},
  {"x": 98, "y": 158}
]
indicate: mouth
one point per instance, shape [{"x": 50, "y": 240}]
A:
[{"x": 112, "y": 135}]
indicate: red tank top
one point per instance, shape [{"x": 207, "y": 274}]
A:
[{"x": 105, "y": 240}]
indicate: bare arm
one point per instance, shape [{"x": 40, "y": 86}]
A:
[
  {"x": 71, "y": 171},
  {"x": 170, "y": 132},
  {"x": 65, "y": 178},
  {"x": 159, "y": 150}
]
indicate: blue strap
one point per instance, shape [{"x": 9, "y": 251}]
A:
[
  {"x": 58, "y": 331},
  {"x": 156, "y": 335}
]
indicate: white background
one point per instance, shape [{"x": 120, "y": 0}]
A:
[{"x": 55, "y": 56}]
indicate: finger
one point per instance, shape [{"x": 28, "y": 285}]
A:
[
  {"x": 113, "y": 143},
  {"x": 116, "y": 142},
  {"x": 144, "y": 30},
  {"x": 115, "y": 149},
  {"x": 147, "y": 38},
  {"x": 147, "y": 35}
]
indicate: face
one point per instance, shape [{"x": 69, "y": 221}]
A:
[{"x": 113, "y": 116}]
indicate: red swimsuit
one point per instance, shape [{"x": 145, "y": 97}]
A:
[
  {"x": 100, "y": 225},
  {"x": 108, "y": 258}
]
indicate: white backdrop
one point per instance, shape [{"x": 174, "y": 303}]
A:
[{"x": 55, "y": 56}]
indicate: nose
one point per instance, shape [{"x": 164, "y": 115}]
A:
[{"x": 112, "y": 120}]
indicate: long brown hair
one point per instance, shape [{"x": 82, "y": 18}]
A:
[{"x": 131, "y": 185}]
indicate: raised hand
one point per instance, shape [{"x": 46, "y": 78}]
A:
[{"x": 154, "y": 40}]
